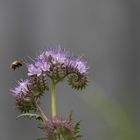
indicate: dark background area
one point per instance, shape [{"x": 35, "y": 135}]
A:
[{"x": 106, "y": 32}]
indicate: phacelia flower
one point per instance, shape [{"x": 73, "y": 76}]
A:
[
  {"x": 33, "y": 70},
  {"x": 58, "y": 55},
  {"x": 23, "y": 96},
  {"x": 77, "y": 64},
  {"x": 58, "y": 126},
  {"x": 58, "y": 64},
  {"x": 80, "y": 65},
  {"x": 21, "y": 89},
  {"x": 27, "y": 91}
]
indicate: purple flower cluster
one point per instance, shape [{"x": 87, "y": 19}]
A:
[
  {"x": 44, "y": 61},
  {"x": 23, "y": 96},
  {"x": 52, "y": 57},
  {"x": 22, "y": 89},
  {"x": 58, "y": 125},
  {"x": 57, "y": 64},
  {"x": 27, "y": 91}
]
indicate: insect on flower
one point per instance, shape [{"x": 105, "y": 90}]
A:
[{"x": 15, "y": 64}]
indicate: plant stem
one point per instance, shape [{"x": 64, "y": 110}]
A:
[
  {"x": 40, "y": 111},
  {"x": 53, "y": 98}
]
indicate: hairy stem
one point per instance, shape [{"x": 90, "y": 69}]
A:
[
  {"x": 53, "y": 98},
  {"x": 40, "y": 111}
]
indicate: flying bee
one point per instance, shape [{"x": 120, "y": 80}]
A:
[{"x": 15, "y": 64}]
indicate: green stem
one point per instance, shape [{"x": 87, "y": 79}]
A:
[
  {"x": 40, "y": 111},
  {"x": 53, "y": 98}
]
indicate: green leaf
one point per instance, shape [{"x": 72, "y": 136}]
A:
[
  {"x": 77, "y": 130},
  {"x": 77, "y": 126},
  {"x": 29, "y": 116}
]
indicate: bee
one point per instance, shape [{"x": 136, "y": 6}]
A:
[{"x": 15, "y": 64}]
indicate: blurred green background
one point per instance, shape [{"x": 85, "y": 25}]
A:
[{"x": 106, "y": 32}]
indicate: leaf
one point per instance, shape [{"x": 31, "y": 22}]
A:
[
  {"x": 29, "y": 116},
  {"x": 77, "y": 129},
  {"x": 77, "y": 126}
]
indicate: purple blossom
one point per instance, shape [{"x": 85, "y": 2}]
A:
[
  {"x": 34, "y": 70},
  {"x": 81, "y": 66},
  {"x": 42, "y": 65},
  {"x": 59, "y": 55},
  {"x": 77, "y": 64},
  {"x": 21, "y": 89},
  {"x": 27, "y": 91},
  {"x": 57, "y": 63},
  {"x": 43, "y": 62},
  {"x": 53, "y": 124}
]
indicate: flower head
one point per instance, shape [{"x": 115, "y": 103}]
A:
[
  {"x": 58, "y": 126},
  {"x": 58, "y": 64},
  {"x": 21, "y": 89},
  {"x": 77, "y": 64},
  {"x": 81, "y": 66},
  {"x": 23, "y": 96},
  {"x": 27, "y": 91},
  {"x": 58, "y": 55},
  {"x": 33, "y": 70},
  {"x": 77, "y": 68}
]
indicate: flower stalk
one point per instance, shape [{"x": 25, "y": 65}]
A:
[
  {"x": 41, "y": 113},
  {"x": 53, "y": 98}
]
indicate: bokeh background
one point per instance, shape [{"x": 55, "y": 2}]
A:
[{"x": 106, "y": 32}]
